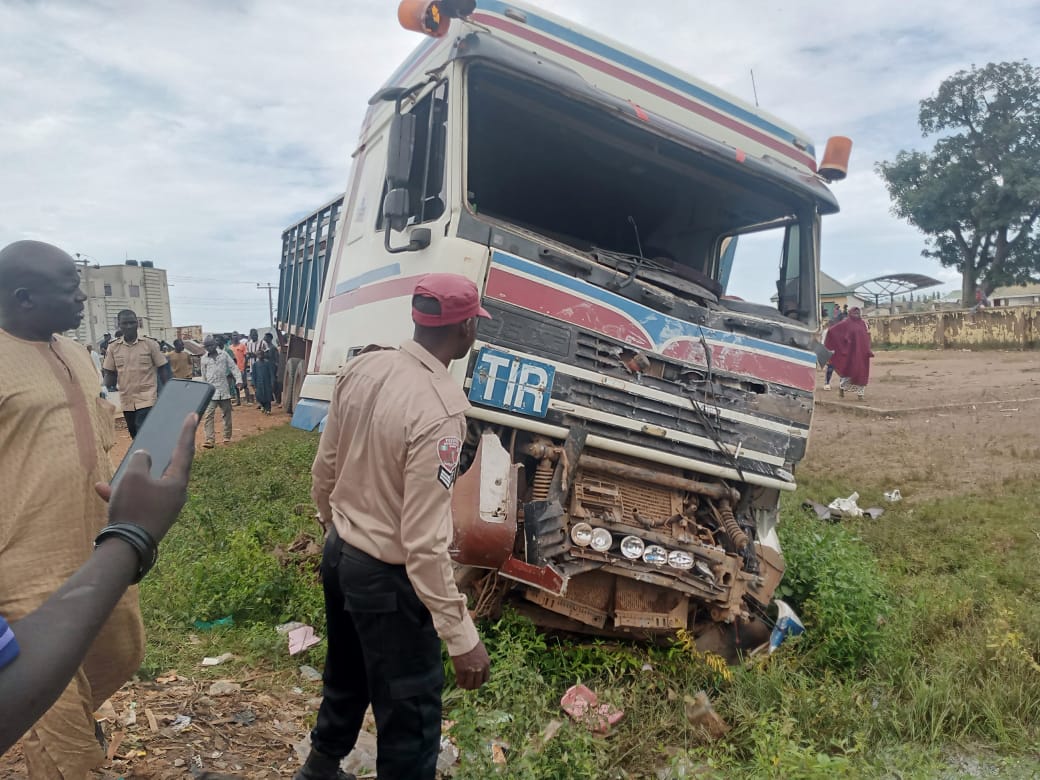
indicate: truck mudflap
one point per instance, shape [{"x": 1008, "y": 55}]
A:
[{"x": 484, "y": 507}]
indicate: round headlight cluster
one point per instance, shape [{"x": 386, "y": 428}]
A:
[{"x": 632, "y": 547}]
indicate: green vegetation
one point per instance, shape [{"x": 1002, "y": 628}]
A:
[{"x": 920, "y": 657}]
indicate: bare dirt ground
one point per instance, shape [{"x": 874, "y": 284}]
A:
[
  {"x": 173, "y": 728},
  {"x": 932, "y": 423},
  {"x": 246, "y": 421}
]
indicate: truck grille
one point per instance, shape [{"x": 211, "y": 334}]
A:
[{"x": 539, "y": 336}]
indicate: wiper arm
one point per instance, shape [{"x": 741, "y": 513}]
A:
[{"x": 638, "y": 265}]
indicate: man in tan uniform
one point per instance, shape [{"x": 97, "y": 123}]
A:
[
  {"x": 382, "y": 481},
  {"x": 139, "y": 367},
  {"x": 180, "y": 361},
  {"x": 55, "y": 434}
]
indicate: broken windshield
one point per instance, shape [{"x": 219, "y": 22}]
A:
[{"x": 629, "y": 198}]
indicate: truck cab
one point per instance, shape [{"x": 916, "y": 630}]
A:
[{"x": 648, "y": 247}]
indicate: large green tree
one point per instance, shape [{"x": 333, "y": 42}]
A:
[{"x": 976, "y": 195}]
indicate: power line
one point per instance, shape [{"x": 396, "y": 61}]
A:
[
  {"x": 197, "y": 280},
  {"x": 194, "y": 299}
]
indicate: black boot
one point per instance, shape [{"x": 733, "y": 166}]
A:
[{"x": 322, "y": 767}]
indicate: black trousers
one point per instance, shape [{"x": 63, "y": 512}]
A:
[
  {"x": 134, "y": 420},
  {"x": 383, "y": 650}
]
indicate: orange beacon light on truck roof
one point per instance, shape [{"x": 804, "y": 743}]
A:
[
  {"x": 432, "y": 17},
  {"x": 835, "y": 164}
]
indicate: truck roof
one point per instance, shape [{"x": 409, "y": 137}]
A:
[{"x": 650, "y": 85}]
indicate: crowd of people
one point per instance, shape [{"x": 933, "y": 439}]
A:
[
  {"x": 138, "y": 367},
  {"x": 72, "y": 549}
]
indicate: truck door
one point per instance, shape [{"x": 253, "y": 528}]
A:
[{"x": 380, "y": 260}]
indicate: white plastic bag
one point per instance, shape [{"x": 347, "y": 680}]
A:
[{"x": 846, "y": 507}]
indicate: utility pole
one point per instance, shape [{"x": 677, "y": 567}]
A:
[
  {"x": 89, "y": 310},
  {"x": 270, "y": 302}
]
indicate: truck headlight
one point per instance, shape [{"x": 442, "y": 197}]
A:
[
  {"x": 680, "y": 559},
  {"x": 601, "y": 540},
  {"x": 632, "y": 547},
  {"x": 581, "y": 534},
  {"x": 656, "y": 555}
]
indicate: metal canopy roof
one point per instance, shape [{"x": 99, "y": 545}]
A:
[{"x": 893, "y": 284}]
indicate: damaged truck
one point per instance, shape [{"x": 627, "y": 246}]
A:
[{"x": 649, "y": 248}]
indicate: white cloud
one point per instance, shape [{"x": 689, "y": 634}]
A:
[{"x": 192, "y": 133}]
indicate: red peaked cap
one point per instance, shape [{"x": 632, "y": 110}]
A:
[{"x": 457, "y": 295}]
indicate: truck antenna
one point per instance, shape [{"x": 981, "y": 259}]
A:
[{"x": 753, "y": 87}]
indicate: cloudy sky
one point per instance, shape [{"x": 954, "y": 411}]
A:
[{"x": 192, "y": 133}]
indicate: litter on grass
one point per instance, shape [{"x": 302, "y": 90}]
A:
[
  {"x": 216, "y": 660},
  {"x": 787, "y": 624},
  {"x": 846, "y": 507},
  {"x": 583, "y": 706},
  {"x": 209, "y": 625},
  {"x": 302, "y": 638},
  {"x": 843, "y": 507}
]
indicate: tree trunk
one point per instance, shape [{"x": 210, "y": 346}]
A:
[
  {"x": 968, "y": 287},
  {"x": 969, "y": 266},
  {"x": 1002, "y": 249}
]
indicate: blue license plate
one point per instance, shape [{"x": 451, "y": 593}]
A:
[{"x": 511, "y": 383}]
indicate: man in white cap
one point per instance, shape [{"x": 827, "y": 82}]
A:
[{"x": 382, "y": 481}]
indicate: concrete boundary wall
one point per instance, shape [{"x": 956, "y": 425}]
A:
[{"x": 1004, "y": 327}]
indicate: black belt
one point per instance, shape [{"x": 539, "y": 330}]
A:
[{"x": 342, "y": 549}]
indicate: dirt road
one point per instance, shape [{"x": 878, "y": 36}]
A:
[
  {"x": 932, "y": 422},
  {"x": 246, "y": 421}
]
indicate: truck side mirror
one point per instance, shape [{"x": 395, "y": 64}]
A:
[
  {"x": 401, "y": 149},
  {"x": 395, "y": 216},
  {"x": 396, "y": 204},
  {"x": 395, "y": 209}
]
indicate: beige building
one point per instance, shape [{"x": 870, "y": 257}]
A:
[
  {"x": 193, "y": 332},
  {"x": 111, "y": 288},
  {"x": 834, "y": 294},
  {"x": 1022, "y": 295}
]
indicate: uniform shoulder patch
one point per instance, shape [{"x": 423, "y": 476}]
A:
[{"x": 449, "y": 452}]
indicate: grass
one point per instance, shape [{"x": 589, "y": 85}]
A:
[{"x": 920, "y": 657}]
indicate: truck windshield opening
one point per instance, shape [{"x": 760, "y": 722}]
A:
[{"x": 580, "y": 175}]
